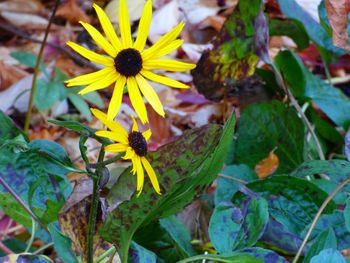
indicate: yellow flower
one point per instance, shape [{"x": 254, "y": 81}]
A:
[
  {"x": 133, "y": 143},
  {"x": 129, "y": 63}
]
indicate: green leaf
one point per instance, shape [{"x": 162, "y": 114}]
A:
[
  {"x": 315, "y": 31},
  {"x": 25, "y": 258},
  {"x": 327, "y": 256},
  {"x": 226, "y": 188},
  {"x": 324, "y": 240},
  {"x": 184, "y": 167},
  {"x": 266, "y": 126},
  {"x": 8, "y": 130},
  {"x": 94, "y": 98},
  {"x": 332, "y": 101},
  {"x": 10, "y": 206},
  {"x": 337, "y": 170},
  {"x": 62, "y": 244},
  {"x": 337, "y": 223},
  {"x": 81, "y": 105},
  {"x": 236, "y": 257},
  {"x": 268, "y": 256},
  {"x": 231, "y": 228},
  {"x": 179, "y": 233},
  {"x": 28, "y": 59},
  {"x": 46, "y": 94},
  {"x": 139, "y": 254},
  {"x": 347, "y": 214},
  {"x": 291, "y": 28}
]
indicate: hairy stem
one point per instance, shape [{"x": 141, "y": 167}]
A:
[
  {"x": 94, "y": 207},
  {"x": 36, "y": 69},
  {"x": 317, "y": 216}
]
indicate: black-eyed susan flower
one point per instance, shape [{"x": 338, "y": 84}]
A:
[
  {"x": 129, "y": 63},
  {"x": 134, "y": 144}
]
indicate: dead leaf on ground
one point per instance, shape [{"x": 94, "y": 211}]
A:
[
  {"x": 22, "y": 6},
  {"x": 267, "y": 166},
  {"x": 9, "y": 75},
  {"x": 135, "y": 8},
  {"x": 72, "y": 12},
  {"x": 337, "y": 11}
]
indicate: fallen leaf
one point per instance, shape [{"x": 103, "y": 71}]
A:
[
  {"x": 9, "y": 75},
  {"x": 24, "y": 20},
  {"x": 72, "y": 12},
  {"x": 338, "y": 18},
  {"x": 267, "y": 166},
  {"x": 22, "y": 6},
  {"x": 135, "y": 8}
]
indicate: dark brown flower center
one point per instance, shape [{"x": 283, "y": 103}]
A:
[
  {"x": 128, "y": 62},
  {"x": 138, "y": 143}
]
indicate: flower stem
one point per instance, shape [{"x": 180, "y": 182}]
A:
[
  {"x": 94, "y": 207},
  {"x": 36, "y": 69}
]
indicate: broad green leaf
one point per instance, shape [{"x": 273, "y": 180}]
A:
[
  {"x": 332, "y": 101},
  {"x": 266, "y": 126},
  {"x": 28, "y": 59},
  {"x": 62, "y": 244},
  {"x": 328, "y": 186},
  {"x": 231, "y": 228},
  {"x": 179, "y": 233},
  {"x": 184, "y": 167},
  {"x": 8, "y": 130},
  {"x": 139, "y": 254},
  {"x": 268, "y": 256},
  {"x": 10, "y": 206},
  {"x": 324, "y": 240},
  {"x": 235, "y": 257},
  {"x": 328, "y": 255},
  {"x": 315, "y": 31},
  {"x": 46, "y": 94},
  {"x": 291, "y": 28},
  {"x": 347, "y": 214},
  {"x": 16, "y": 245},
  {"x": 226, "y": 188},
  {"x": 337, "y": 223},
  {"x": 337, "y": 170},
  {"x": 80, "y": 105}
]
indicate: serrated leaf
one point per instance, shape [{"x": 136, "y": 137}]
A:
[
  {"x": 324, "y": 240},
  {"x": 327, "y": 256},
  {"x": 186, "y": 167},
  {"x": 265, "y": 126},
  {"x": 231, "y": 228}
]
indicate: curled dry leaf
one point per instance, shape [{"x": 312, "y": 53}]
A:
[
  {"x": 267, "y": 166},
  {"x": 337, "y": 11}
]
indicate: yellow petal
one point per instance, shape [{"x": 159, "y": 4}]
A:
[
  {"x": 151, "y": 174},
  {"x": 100, "y": 84},
  {"x": 92, "y": 56},
  {"x": 147, "y": 134},
  {"x": 163, "y": 41},
  {"x": 90, "y": 77},
  {"x": 124, "y": 24},
  {"x": 135, "y": 127},
  {"x": 116, "y": 99},
  {"x": 99, "y": 39},
  {"x": 150, "y": 95},
  {"x": 167, "y": 49},
  {"x": 163, "y": 80},
  {"x": 112, "y": 125},
  {"x": 144, "y": 25},
  {"x": 130, "y": 153},
  {"x": 108, "y": 28},
  {"x": 134, "y": 166},
  {"x": 140, "y": 175},
  {"x": 136, "y": 99},
  {"x": 114, "y": 136},
  {"x": 115, "y": 148},
  {"x": 167, "y": 64}
]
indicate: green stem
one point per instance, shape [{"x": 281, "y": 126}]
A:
[
  {"x": 32, "y": 237},
  {"x": 41, "y": 249},
  {"x": 36, "y": 69},
  {"x": 94, "y": 208},
  {"x": 201, "y": 257},
  {"x": 104, "y": 163},
  {"x": 317, "y": 216},
  {"x": 105, "y": 254}
]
